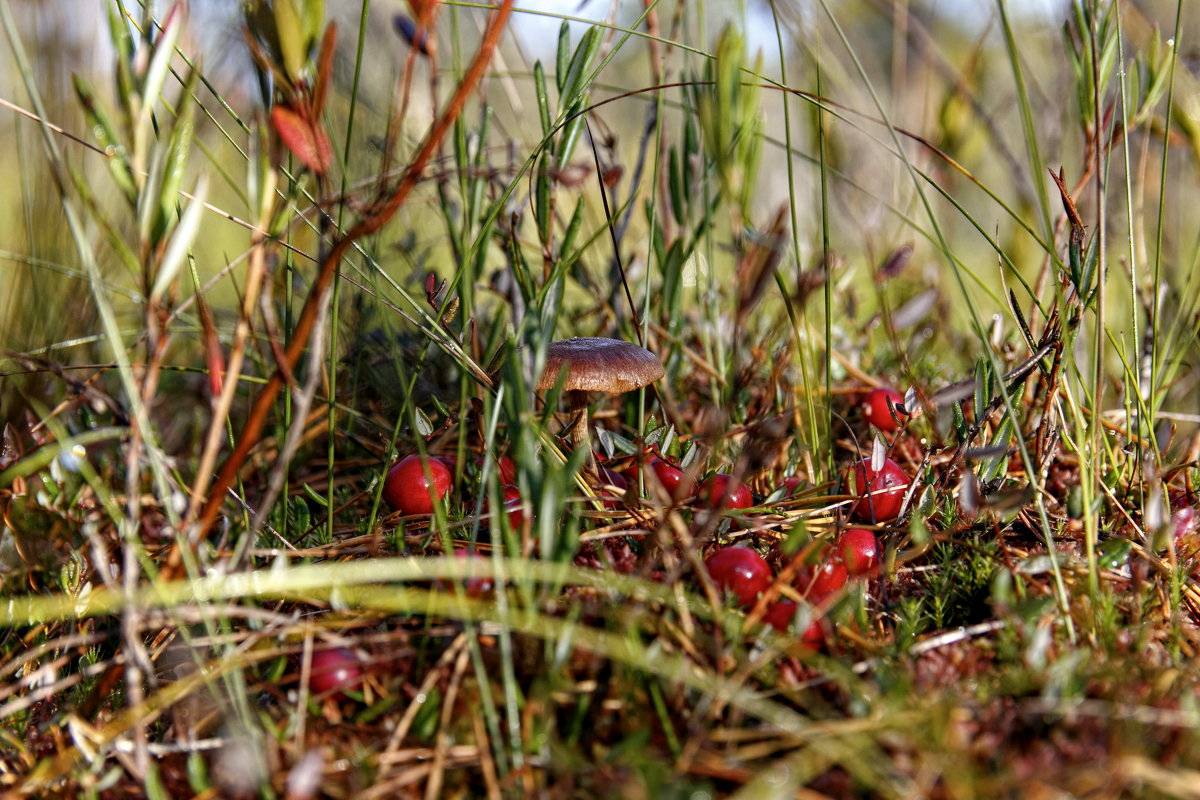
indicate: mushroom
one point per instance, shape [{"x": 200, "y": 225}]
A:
[{"x": 592, "y": 364}]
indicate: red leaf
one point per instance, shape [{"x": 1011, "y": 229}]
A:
[
  {"x": 214, "y": 356},
  {"x": 306, "y": 140},
  {"x": 324, "y": 68}
]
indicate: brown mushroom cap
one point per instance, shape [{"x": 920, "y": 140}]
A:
[{"x": 599, "y": 365}]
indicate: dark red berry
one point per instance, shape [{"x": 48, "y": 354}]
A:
[
  {"x": 1186, "y": 523},
  {"x": 779, "y": 614},
  {"x": 334, "y": 671},
  {"x": 612, "y": 485},
  {"x": 504, "y": 467},
  {"x": 813, "y": 637},
  {"x": 878, "y": 406},
  {"x": 409, "y": 490},
  {"x": 741, "y": 571},
  {"x": 859, "y": 551},
  {"x": 472, "y": 587},
  {"x": 673, "y": 479},
  {"x": 510, "y": 496},
  {"x": 790, "y": 484},
  {"x": 719, "y": 492},
  {"x": 880, "y": 494},
  {"x": 819, "y": 583}
]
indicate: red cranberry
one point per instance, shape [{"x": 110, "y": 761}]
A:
[
  {"x": 880, "y": 494},
  {"x": 818, "y": 584},
  {"x": 504, "y": 467},
  {"x": 472, "y": 587},
  {"x": 719, "y": 492},
  {"x": 673, "y": 479},
  {"x": 407, "y": 489},
  {"x": 790, "y": 484},
  {"x": 859, "y": 551},
  {"x": 334, "y": 671},
  {"x": 1183, "y": 516},
  {"x": 779, "y": 614},
  {"x": 877, "y": 412},
  {"x": 510, "y": 496},
  {"x": 615, "y": 495},
  {"x": 451, "y": 461},
  {"x": 1185, "y": 521},
  {"x": 739, "y": 570},
  {"x": 813, "y": 637}
]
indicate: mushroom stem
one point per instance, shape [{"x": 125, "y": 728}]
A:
[{"x": 577, "y": 401}]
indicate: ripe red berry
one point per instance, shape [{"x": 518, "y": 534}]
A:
[
  {"x": 1184, "y": 519},
  {"x": 511, "y": 499},
  {"x": 719, "y": 492},
  {"x": 472, "y": 587},
  {"x": 877, "y": 412},
  {"x": 880, "y": 494},
  {"x": 504, "y": 466},
  {"x": 790, "y": 484},
  {"x": 739, "y": 570},
  {"x": 779, "y": 614},
  {"x": 409, "y": 490},
  {"x": 819, "y": 583},
  {"x": 673, "y": 479},
  {"x": 333, "y": 671},
  {"x": 813, "y": 637},
  {"x": 611, "y": 485},
  {"x": 859, "y": 551}
]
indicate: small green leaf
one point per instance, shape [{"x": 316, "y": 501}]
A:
[
  {"x": 689, "y": 455},
  {"x": 423, "y": 426},
  {"x": 425, "y": 723},
  {"x": 440, "y": 406},
  {"x": 315, "y": 496},
  {"x": 181, "y": 241},
  {"x": 675, "y": 186},
  {"x": 569, "y": 236},
  {"x": 1114, "y": 553},
  {"x": 543, "y": 100},
  {"x": 570, "y": 93},
  {"x": 153, "y": 784},
  {"x": 918, "y": 531},
  {"x": 106, "y": 135},
  {"x": 289, "y": 28},
  {"x": 571, "y": 131},
  {"x": 653, "y": 437},
  {"x": 313, "y": 21},
  {"x": 562, "y": 56},
  {"x": 197, "y": 773},
  {"x": 178, "y": 147},
  {"x": 156, "y": 76},
  {"x": 982, "y": 398},
  {"x": 541, "y": 201},
  {"x": 997, "y": 466},
  {"x": 148, "y": 217},
  {"x": 669, "y": 439},
  {"x": 301, "y": 517},
  {"x": 604, "y": 437}
]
